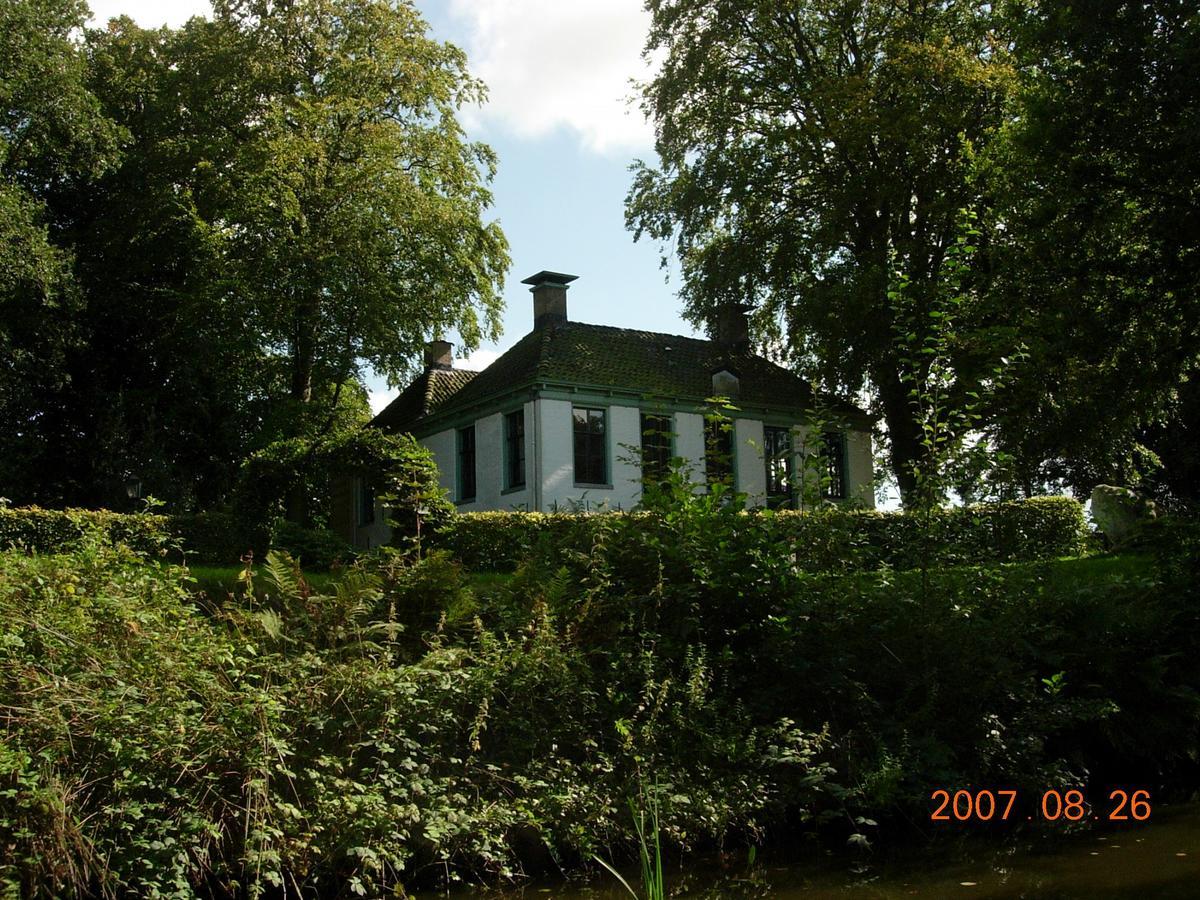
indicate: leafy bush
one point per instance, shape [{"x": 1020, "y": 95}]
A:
[
  {"x": 348, "y": 740},
  {"x": 52, "y": 530},
  {"x": 498, "y": 541},
  {"x": 831, "y": 539},
  {"x": 153, "y": 751},
  {"x": 219, "y": 538},
  {"x": 317, "y": 548},
  {"x": 403, "y": 472}
]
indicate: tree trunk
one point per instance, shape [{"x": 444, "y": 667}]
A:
[
  {"x": 303, "y": 358},
  {"x": 904, "y": 433}
]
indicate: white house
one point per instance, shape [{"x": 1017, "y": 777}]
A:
[{"x": 558, "y": 421}]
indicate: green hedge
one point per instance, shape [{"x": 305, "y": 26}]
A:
[
  {"x": 828, "y": 540},
  {"x": 211, "y": 537},
  {"x": 51, "y": 530},
  {"x": 499, "y": 541}
]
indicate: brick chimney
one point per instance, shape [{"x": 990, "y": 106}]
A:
[
  {"x": 549, "y": 291},
  {"x": 439, "y": 354},
  {"x": 731, "y": 327}
]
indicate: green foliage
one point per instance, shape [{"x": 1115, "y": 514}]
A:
[
  {"x": 290, "y": 740},
  {"x": 207, "y": 233},
  {"x": 827, "y": 539},
  {"x": 52, "y": 135},
  {"x": 807, "y": 150},
  {"x": 219, "y": 538},
  {"x": 1095, "y": 181},
  {"x": 350, "y": 738},
  {"x": 355, "y": 196},
  {"x": 212, "y": 537},
  {"x": 402, "y": 473},
  {"x": 61, "y": 530}
]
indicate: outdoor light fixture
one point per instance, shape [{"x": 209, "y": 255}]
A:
[{"x": 133, "y": 488}]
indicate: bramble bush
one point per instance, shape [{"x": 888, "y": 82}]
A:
[
  {"x": 396, "y": 727},
  {"x": 318, "y": 741}
]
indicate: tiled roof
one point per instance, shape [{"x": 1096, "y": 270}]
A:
[
  {"x": 428, "y": 393},
  {"x": 664, "y": 366}
]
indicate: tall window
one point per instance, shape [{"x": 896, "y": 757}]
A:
[
  {"x": 466, "y": 463},
  {"x": 833, "y": 486},
  {"x": 718, "y": 451},
  {"x": 366, "y": 502},
  {"x": 777, "y": 454},
  {"x": 514, "y": 449},
  {"x": 591, "y": 451},
  {"x": 656, "y": 446}
]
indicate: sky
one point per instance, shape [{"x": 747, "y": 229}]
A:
[{"x": 558, "y": 116}]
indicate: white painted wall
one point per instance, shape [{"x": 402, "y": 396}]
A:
[
  {"x": 556, "y": 450},
  {"x": 443, "y": 447},
  {"x": 689, "y": 443},
  {"x": 557, "y": 459},
  {"x": 751, "y": 472},
  {"x": 488, "y": 463},
  {"x": 625, "y": 432},
  {"x": 860, "y": 468},
  {"x": 522, "y": 497},
  {"x": 550, "y": 460}
]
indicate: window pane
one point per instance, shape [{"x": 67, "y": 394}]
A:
[
  {"x": 777, "y": 454},
  {"x": 834, "y": 486},
  {"x": 515, "y": 448},
  {"x": 656, "y": 446},
  {"x": 466, "y": 463},
  {"x": 718, "y": 451},
  {"x": 591, "y": 454},
  {"x": 366, "y": 502}
]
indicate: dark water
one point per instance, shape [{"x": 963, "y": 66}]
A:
[{"x": 1160, "y": 859}]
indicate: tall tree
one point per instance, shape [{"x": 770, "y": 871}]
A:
[
  {"x": 52, "y": 134},
  {"x": 810, "y": 149},
  {"x": 1098, "y": 181},
  {"x": 358, "y": 225}
]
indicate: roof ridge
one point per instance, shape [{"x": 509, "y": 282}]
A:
[{"x": 666, "y": 334}]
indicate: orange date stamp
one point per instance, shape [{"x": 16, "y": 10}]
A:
[{"x": 1053, "y": 805}]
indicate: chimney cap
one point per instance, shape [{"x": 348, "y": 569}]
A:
[{"x": 554, "y": 279}]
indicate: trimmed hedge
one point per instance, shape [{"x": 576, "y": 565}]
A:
[
  {"x": 210, "y": 537},
  {"x": 52, "y": 530},
  {"x": 500, "y": 541},
  {"x": 827, "y": 540}
]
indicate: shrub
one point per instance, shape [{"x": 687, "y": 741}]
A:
[
  {"x": 219, "y": 538},
  {"x": 55, "y": 530},
  {"x": 831, "y": 539},
  {"x": 317, "y": 548},
  {"x": 499, "y": 541}
]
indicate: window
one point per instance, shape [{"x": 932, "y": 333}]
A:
[
  {"x": 366, "y": 502},
  {"x": 514, "y": 449},
  {"x": 777, "y": 454},
  {"x": 656, "y": 446},
  {"x": 833, "y": 484},
  {"x": 466, "y": 463},
  {"x": 591, "y": 451},
  {"x": 718, "y": 451}
]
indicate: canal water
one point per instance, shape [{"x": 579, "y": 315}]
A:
[{"x": 1160, "y": 859}]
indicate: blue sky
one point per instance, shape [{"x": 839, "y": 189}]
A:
[{"x": 558, "y": 116}]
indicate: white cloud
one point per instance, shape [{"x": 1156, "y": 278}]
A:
[
  {"x": 149, "y": 13},
  {"x": 552, "y": 64},
  {"x": 479, "y": 360}
]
